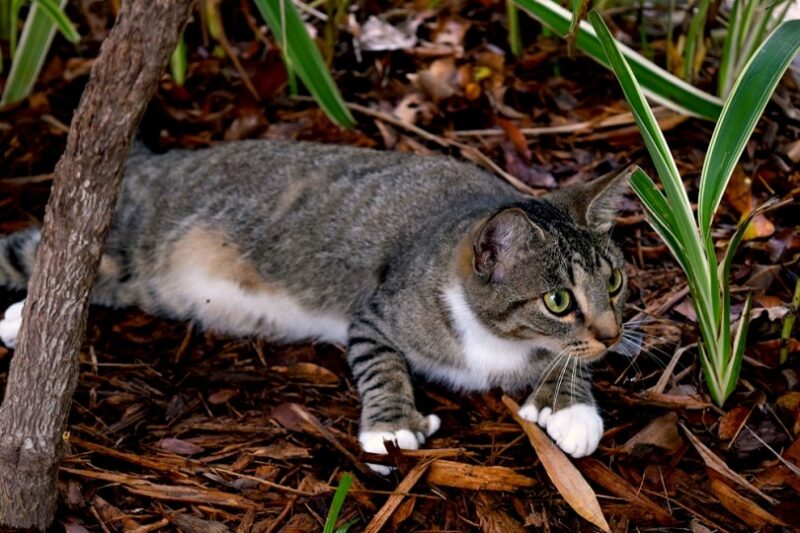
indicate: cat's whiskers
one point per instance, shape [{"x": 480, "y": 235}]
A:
[
  {"x": 552, "y": 365},
  {"x": 560, "y": 380}
]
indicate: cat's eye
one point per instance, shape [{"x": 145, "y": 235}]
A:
[
  {"x": 615, "y": 282},
  {"x": 559, "y": 302}
]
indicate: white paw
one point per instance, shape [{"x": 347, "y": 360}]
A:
[
  {"x": 375, "y": 442},
  {"x": 9, "y": 326},
  {"x": 577, "y": 430},
  {"x": 529, "y": 413}
]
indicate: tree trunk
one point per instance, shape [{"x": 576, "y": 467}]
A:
[{"x": 44, "y": 369}]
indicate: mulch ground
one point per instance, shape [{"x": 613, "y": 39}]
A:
[{"x": 178, "y": 429}]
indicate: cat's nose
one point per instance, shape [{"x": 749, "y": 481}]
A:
[{"x": 605, "y": 329}]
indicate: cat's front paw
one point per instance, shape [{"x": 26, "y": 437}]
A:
[
  {"x": 9, "y": 326},
  {"x": 406, "y": 439},
  {"x": 577, "y": 429}
]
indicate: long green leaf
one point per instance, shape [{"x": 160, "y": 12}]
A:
[
  {"x": 178, "y": 62},
  {"x": 658, "y": 84},
  {"x": 731, "y": 375},
  {"x": 741, "y": 112},
  {"x": 60, "y": 19},
  {"x": 304, "y": 57},
  {"x": 337, "y": 503},
  {"x": 30, "y": 53},
  {"x": 700, "y": 269},
  {"x": 695, "y": 34}
]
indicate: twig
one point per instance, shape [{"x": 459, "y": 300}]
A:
[{"x": 394, "y": 501}]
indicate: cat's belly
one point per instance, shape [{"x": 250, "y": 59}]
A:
[{"x": 207, "y": 280}]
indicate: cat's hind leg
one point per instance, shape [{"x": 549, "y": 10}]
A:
[{"x": 388, "y": 411}]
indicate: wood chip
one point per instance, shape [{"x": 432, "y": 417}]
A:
[{"x": 475, "y": 477}]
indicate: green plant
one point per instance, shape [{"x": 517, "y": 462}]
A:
[
  {"x": 749, "y": 22},
  {"x": 336, "y": 507},
  {"x": 659, "y": 84},
  {"x": 44, "y": 17},
  {"x": 514, "y": 36},
  {"x": 178, "y": 62},
  {"x": 671, "y": 215},
  {"x": 302, "y": 57}
]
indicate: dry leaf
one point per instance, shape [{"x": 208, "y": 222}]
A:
[
  {"x": 658, "y": 438},
  {"x": 222, "y": 396},
  {"x": 178, "y": 446},
  {"x": 731, "y": 422},
  {"x": 713, "y": 462},
  {"x": 566, "y": 478},
  {"x": 378, "y": 35}
]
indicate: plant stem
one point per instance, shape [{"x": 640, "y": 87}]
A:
[{"x": 788, "y": 322}]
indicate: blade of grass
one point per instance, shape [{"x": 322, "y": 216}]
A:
[
  {"x": 788, "y": 322},
  {"x": 514, "y": 37},
  {"x": 578, "y": 11},
  {"x": 731, "y": 371},
  {"x": 337, "y": 503},
  {"x": 29, "y": 56},
  {"x": 304, "y": 58},
  {"x": 178, "y": 62},
  {"x": 748, "y": 98},
  {"x": 695, "y": 33},
  {"x": 658, "y": 84},
  {"x": 60, "y": 19}
]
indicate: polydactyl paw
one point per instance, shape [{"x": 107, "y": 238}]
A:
[
  {"x": 406, "y": 439},
  {"x": 9, "y": 326},
  {"x": 577, "y": 429}
]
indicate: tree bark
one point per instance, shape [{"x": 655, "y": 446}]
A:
[{"x": 44, "y": 369}]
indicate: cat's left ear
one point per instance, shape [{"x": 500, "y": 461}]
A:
[{"x": 594, "y": 205}]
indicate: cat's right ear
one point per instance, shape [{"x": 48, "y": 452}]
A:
[{"x": 501, "y": 241}]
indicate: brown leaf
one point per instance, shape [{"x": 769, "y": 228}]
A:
[
  {"x": 476, "y": 477},
  {"x": 281, "y": 451},
  {"x": 659, "y": 437},
  {"x": 439, "y": 80},
  {"x": 308, "y": 372},
  {"x": 178, "y": 446},
  {"x": 222, "y": 396},
  {"x": 566, "y": 478},
  {"x": 731, "y": 422},
  {"x": 112, "y": 515},
  {"x": 716, "y": 464},
  {"x": 192, "y": 524}
]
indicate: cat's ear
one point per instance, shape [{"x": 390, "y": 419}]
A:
[
  {"x": 501, "y": 241},
  {"x": 594, "y": 204}
]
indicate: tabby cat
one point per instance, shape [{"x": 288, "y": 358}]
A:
[{"x": 419, "y": 265}]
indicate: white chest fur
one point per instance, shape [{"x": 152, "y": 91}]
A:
[{"x": 487, "y": 357}]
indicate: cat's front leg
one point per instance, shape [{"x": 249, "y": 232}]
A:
[
  {"x": 388, "y": 412},
  {"x": 564, "y": 406}
]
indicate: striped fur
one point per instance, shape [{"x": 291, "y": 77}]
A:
[{"x": 421, "y": 265}]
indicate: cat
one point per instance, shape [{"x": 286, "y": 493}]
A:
[{"x": 419, "y": 265}]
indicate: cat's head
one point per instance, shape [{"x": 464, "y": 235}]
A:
[{"x": 545, "y": 270}]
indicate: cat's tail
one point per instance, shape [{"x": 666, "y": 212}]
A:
[{"x": 17, "y": 256}]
